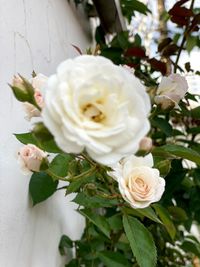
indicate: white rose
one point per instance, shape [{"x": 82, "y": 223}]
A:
[
  {"x": 139, "y": 183},
  {"x": 171, "y": 90},
  {"x": 95, "y": 105},
  {"x": 38, "y": 82},
  {"x": 30, "y": 158}
]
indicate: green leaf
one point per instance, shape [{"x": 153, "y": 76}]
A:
[
  {"x": 65, "y": 243},
  {"x": 41, "y": 187},
  {"x": 182, "y": 152},
  {"x": 129, "y": 6},
  {"x": 149, "y": 213},
  {"x": 50, "y": 146},
  {"x": 189, "y": 246},
  {"x": 141, "y": 241},
  {"x": 47, "y": 145},
  {"x": 94, "y": 201},
  {"x": 115, "y": 222},
  {"x": 45, "y": 138},
  {"x": 178, "y": 213},
  {"x": 98, "y": 220},
  {"x": 75, "y": 185},
  {"x": 27, "y": 138},
  {"x": 60, "y": 164},
  {"x": 163, "y": 166},
  {"x": 165, "y": 218},
  {"x": 146, "y": 212},
  {"x": 73, "y": 263},
  {"x": 195, "y": 113},
  {"x": 113, "y": 259},
  {"x": 163, "y": 125},
  {"x": 191, "y": 43}
]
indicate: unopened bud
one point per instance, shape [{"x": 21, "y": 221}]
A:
[
  {"x": 18, "y": 82},
  {"x": 146, "y": 144}
]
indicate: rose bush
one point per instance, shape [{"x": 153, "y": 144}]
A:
[
  {"x": 95, "y": 105},
  {"x": 97, "y": 112}
]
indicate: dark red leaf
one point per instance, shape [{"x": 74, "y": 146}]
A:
[
  {"x": 77, "y": 49},
  {"x": 188, "y": 66},
  {"x": 181, "y": 21},
  {"x": 181, "y": 2},
  {"x": 135, "y": 52},
  {"x": 170, "y": 50},
  {"x": 132, "y": 65},
  {"x": 180, "y": 12},
  {"x": 194, "y": 23},
  {"x": 158, "y": 65}
]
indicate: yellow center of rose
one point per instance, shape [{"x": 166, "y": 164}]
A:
[{"x": 92, "y": 112}]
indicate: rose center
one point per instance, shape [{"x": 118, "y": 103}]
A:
[
  {"x": 140, "y": 182},
  {"x": 93, "y": 113}
]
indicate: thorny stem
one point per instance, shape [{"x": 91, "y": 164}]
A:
[
  {"x": 71, "y": 178},
  {"x": 183, "y": 41}
]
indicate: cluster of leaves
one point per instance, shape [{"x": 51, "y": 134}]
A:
[{"x": 115, "y": 234}]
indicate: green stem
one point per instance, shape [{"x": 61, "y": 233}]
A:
[
  {"x": 57, "y": 177},
  {"x": 88, "y": 159},
  {"x": 71, "y": 178}
]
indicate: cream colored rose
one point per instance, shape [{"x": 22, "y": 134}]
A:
[
  {"x": 139, "y": 183},
  {"x": 38, "y": 83},
  {"x": 30, "y": 158},
  {"x": 171, "y": 90},
  {"x": 95, "y": 105}
]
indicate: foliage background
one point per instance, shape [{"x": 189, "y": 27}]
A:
[{"x": 115, "y": 234}]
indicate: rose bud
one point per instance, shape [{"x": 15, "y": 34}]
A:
[
  {"x": 38, "y": 83},
  {"x": 139, "y": 183},
  {"x": 18, "y": 82},
  {"x": 171, "y": 90},
  {"x": 146, "y": 144},
  {"x": 30, "y": 158}
]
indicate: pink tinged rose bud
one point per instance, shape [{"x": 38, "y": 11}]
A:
[
  {"x": 146, "y": 144},
  {"x": 38, "y": 83},
  {"x": 30, "y": 158},
  {"x": 39, "y": 98},
  {"x": 171, "y": 90},
  {"x": 18, "y": 82},
  {"x": 139, "y": 183}
]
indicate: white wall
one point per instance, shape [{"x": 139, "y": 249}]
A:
[{"x": 34, "y": 34}]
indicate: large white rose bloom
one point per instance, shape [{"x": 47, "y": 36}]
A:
[
  {"x": 92, "y": 104},
  {"x": 139, "y": 183}
]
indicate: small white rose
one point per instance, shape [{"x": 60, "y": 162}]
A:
[
  {"x": 38, "y": 82},
  {"x": 30, "y": 158},
  {"x": 171, "y": 90},
  {"x": 146, "y": 144},
  {"x": 95, "y": 105},
  {"x": 139, "y": 183}
]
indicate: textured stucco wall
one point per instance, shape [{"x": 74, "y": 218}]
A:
[{"x": 37, "y": 35}]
